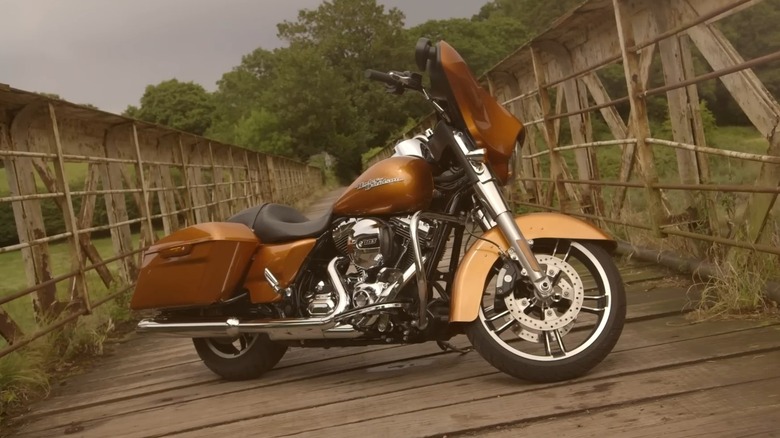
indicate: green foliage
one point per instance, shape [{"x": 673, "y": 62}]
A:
[
  {"x": 261, "y": 130},
  {"x": 534, "y": 15},
  {"x": 186, "y": 106},
  {"x": 481, "y": 42},
  {"x": 311, "y": 96}
]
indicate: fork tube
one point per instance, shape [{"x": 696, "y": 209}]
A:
[{"x": 491, "y": 198}]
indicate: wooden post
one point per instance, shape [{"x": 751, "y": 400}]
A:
[
  {"x": 148, "y": 236},
  {"x": 9, "y": 329},
  {"x": 558, "y": 169},
  {"x": 86, "y": 214},
  {"x": 186, "y": 175},
  {"x": 273, "y": 182},
  {"x": 28, "y": 215},
  {"x": 80, "y": 288},
  {"x": 640, "y": 123},
  {"x": 758, "y": 105},
  {"x": 116, "y": 204}
]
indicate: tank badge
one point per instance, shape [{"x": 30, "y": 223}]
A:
[{"x": 376, "y": 182}]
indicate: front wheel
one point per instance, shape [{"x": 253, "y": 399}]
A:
[
  {"x": 242, "y": 358},
  {"x": 560, "y": 337}
]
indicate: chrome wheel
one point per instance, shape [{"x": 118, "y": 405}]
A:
[
  {"x": 231, "y": 348},
  {"x": 565, "y": 325}
]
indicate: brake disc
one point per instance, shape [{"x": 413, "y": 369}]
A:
[{"x": 536, "y": 316}]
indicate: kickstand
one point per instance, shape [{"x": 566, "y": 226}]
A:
[{"x": 446, "y": 346}]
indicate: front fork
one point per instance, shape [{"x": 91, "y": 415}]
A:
[{"x": 498, "y": 214}]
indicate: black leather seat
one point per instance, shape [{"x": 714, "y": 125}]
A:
[{"x": 276, "y": 223}]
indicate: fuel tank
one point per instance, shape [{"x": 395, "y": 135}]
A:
[{"x": 396, "y": 185}]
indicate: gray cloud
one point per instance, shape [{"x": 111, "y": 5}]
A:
[{"x": 105, "y": 52}]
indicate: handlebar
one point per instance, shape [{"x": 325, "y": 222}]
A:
[{"x": 379, "y": 76}]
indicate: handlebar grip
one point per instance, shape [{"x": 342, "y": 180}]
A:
[{"x": 379, "y": 76}]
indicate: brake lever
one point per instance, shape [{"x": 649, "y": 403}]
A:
[{"x": 395, "y": 89}]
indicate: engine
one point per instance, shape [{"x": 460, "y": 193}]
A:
[{"x": 379, "y": 251}]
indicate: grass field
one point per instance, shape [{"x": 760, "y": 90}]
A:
[
  {"x": 13, "y": 273},
  {"x": 76, "y": 172}
]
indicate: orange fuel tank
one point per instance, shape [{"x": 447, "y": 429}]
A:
[{"x": 396, "y": 185}]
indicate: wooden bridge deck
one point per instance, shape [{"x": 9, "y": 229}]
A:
[{"x": 665, "y": 377}]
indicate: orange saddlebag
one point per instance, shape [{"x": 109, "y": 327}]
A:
[{"x": 195, "y": 266}]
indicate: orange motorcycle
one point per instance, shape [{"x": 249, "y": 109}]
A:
[{"x": 538, "y": 295}]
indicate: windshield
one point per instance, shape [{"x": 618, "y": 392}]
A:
[{"x": 490, "y": 124}]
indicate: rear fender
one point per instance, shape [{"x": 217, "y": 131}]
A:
[{"x": 476, "y": 263}]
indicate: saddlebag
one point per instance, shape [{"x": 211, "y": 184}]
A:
[{"x": 195, "y": 266}]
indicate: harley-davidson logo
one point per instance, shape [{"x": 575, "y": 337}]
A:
[{"x": 376, "y": 182}]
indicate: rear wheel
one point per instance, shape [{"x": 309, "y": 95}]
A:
[
  {"x": 242, "y": 358},
  {"x": 558, "y": 337}
]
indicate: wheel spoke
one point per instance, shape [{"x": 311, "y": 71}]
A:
[
  {"x": 498, "y": 316},
  {"x": 503, "y": 328},
  {"x": 559, "y": 339},
  {"x": 593, "y": 310},
  {"x": 547, "y": 346}
]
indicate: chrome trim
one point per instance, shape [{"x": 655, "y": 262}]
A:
[
  {"x": 422, "y": 281},
  {"x": 276, "y": 329},
  {"x": 369, "y": 309},
  {"x": 269, "y": 277},
  {"x": 411, "y": 147},
  {"x": 490, "y": 196},
  {"x": 419, "y": 261}
]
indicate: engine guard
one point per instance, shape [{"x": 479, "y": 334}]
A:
[{"x": 475, "y": 266}]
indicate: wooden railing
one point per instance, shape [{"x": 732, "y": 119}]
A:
[
  {"x": 556, "y": 80},
  {"x": 89, "y": 190}
]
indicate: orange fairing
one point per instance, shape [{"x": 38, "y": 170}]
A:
[
  {"x": 283, "y": 260},
  {"x": 479, "y": 259},
  {"x": 490, "y": 124},
  {"x": 195, "y": 266}
]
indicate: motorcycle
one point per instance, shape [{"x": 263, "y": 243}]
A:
[{"x": 538, "y": 295}]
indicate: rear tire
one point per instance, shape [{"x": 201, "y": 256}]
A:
[
  {"x": 246, "y": 357},
  {"x": 512, "y": 352}
]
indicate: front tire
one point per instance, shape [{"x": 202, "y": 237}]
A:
[
  {"x": 559, "y": 338},
  {"x": 243, "y": 358}
]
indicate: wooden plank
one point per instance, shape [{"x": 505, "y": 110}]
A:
[
  {"x": 413, "y": 394},
  {"x": 487, "y": 410},
  {"x": 471, "y": 365},
  {"x": 748, "y": 409}
]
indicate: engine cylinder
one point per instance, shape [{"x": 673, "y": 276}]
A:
[{"x": 367, "y": 242}]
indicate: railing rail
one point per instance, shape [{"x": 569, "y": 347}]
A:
[
  {"x": 555, "y": 81},
  {"x": 93, "y": 172}
]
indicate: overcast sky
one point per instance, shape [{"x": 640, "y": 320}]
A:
[{"x": 105, "y": 52}]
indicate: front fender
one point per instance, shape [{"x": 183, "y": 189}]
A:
[{"x": 475, "y": 266}]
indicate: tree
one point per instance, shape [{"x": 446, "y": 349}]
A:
[
  {"x": 482, "y": 43},
  {"x": 240, "y": 92},
  {"x": 351, "y": 36},
  {"x": 186, "y": 106},
  {"x": 262, "y": 131}
]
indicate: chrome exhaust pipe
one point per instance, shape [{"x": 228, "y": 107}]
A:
[{"x": 326, "y": 327}]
